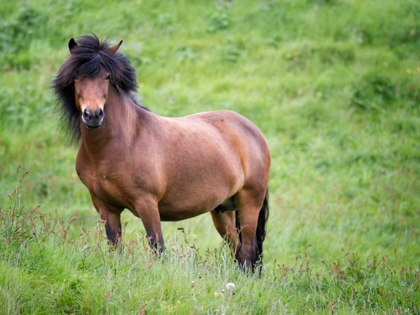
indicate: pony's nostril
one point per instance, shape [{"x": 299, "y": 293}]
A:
[
  {"x": 100, "y": 113},
  {"x": 87, "y": 114}
]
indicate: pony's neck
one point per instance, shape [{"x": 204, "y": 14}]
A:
[{"x": 116, "y": 131}]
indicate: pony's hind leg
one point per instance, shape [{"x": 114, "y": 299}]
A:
[
  {"x": 252, "y": 213},
  {"x": 225, "y": 225}
]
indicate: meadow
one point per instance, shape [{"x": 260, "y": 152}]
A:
[{"x": 334, "y": 86}]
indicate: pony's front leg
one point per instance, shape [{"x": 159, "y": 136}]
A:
[
  {"x": 148, "y": 211},
  {"x": 112, "y": 218}
]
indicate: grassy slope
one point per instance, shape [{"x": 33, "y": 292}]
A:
[{"x": 332, "y": 84}]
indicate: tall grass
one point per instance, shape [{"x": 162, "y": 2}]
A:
[{"x": 52, "y": 266}]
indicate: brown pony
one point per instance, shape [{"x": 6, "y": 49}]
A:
[{"x": 161, "y": 169}]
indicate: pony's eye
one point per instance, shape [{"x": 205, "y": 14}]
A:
[{"x": 107, "y": 78}]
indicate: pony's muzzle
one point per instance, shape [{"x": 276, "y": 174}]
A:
[{"x": 93, "y": 120}]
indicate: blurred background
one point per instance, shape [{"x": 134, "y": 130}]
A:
[{"x": 333, "y": 84}]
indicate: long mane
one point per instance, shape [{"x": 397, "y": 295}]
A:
[{"x": 90, "y": 59}]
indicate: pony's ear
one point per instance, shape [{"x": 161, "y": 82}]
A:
[
  {"x": 114, "y": 49},
  {"x": 72, "y": 44}
]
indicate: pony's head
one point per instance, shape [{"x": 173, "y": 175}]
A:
[{"x": 83, "y": 82}]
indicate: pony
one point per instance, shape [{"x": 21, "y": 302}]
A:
[{"x": 161, "y": 168}]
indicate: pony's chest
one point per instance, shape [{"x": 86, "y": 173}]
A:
[{"x": 108, "y": 187}]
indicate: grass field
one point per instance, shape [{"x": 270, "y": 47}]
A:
[{"x": 334, "y": 86}]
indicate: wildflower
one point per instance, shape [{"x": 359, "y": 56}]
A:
[
  {"x": 216, "y": 294},
  {"x": 230, "y": 286},
  {"x": 192, "y": 284},
  {"x": 408, "y": 70}
]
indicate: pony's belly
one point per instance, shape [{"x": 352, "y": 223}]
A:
[
  {"x": 176, "y": 211},
  {"x": 178, "y": 215},
  {"x": 173, "y": 213},
  {"x": 167, "y": 213},
  {"x": 202, "y": 196}
]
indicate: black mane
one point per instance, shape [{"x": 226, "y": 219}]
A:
[{"x": 90, "y": 59}]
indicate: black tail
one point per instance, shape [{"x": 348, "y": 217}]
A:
[
  {"x": 261, "y": 227},
  {"x": 238, "y": 227}
]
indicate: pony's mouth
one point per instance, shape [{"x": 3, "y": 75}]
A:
[
  {"x": 92, "y": 127},
  {"x": 93, "y": 124}
]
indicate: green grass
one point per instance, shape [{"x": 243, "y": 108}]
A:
[{"x": 334, "y": 86}]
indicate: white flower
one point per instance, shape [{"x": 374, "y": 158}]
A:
[{"x": 230, "y": 286}]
